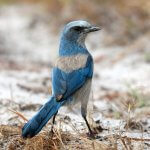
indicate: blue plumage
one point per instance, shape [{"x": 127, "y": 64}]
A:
[
  {"x": 68, "y": 83},
  {"x": 41, "y": 118},
  {"x": 71, "y": 77}
]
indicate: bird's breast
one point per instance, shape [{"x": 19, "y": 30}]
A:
[{"x": 70, "y": 63}]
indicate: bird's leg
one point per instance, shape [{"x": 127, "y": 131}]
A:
[
  {"x": 89, "y": 128},
  {"x": 53, "y": 121},
  {"x": 83, "y": 112},
  {"x": 54, "y": 118}
]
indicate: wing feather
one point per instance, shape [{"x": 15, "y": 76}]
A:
[{"x": 66, "y": 83}]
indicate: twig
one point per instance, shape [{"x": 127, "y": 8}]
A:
[
  {"x": 135, "y": 139},
  {"x": 130, "y": 138}
]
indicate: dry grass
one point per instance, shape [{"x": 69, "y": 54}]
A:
[
  {"x": 10, "y": 136},
  {"x": 10, "y": 139}
]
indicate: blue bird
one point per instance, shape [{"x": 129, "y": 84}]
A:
[{"x": 71, "y": 77}]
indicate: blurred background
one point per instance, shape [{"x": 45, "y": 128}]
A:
[{"x": 29, "y": 41}]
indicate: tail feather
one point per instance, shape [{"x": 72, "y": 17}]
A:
[{"x": 37, "y": 122}]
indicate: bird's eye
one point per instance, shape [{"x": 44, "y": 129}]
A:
[{"x": 79, "y": 29}]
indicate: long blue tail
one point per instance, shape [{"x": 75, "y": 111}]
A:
[{"x": 38, "y": 121}]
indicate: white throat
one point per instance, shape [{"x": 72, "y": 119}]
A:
[{"x": 81, "y": 40}]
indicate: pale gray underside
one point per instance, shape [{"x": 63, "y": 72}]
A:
[{"x": 81, "y": 95}]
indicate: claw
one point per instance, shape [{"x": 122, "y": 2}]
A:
[{"x": 91, "y": 135}]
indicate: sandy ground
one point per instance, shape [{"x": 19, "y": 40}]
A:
[{"x": 120, "y": 99}]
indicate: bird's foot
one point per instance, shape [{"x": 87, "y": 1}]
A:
[
  {"x": 91, "y": 135},
  {"x": 94, "y": 132},
  {"x": 51, "y": 132}
]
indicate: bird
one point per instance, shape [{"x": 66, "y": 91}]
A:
[{"x": 71, "y": 77}]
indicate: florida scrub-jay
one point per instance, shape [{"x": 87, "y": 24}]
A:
[{"x": 71, "y": 77}]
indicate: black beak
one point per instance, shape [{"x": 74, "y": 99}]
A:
[{"x": 92, "y": 29}]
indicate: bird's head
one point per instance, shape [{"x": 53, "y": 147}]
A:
[{"x": 76, "y": 31}]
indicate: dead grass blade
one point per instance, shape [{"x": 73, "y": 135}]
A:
[{"x": 19, "y": 115}]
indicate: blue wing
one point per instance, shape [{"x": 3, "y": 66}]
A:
[{"x": 66, "y": 84}]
